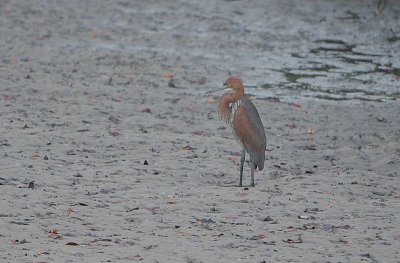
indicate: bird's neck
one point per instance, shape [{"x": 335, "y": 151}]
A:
[{"x": 225, "y": 109}]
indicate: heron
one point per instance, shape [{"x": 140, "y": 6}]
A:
[{"x": 242, "y": 116}]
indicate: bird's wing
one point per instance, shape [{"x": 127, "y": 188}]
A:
[{"x": 249, "y": 130}]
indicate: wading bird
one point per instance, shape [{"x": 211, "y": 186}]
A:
[{"x": 242, "y": 116}]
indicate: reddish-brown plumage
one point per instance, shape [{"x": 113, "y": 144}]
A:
[
  {"x": 237, "y": 86},
  {"x": 241, "y": 114},
  {"x": 249, "y": 136}
]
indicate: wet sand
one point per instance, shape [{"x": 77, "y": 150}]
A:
[{"x": 106, "y": 158}]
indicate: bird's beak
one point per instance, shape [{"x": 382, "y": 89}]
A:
[{"x": 223, "y": 88}]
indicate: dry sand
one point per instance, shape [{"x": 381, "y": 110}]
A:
[{"x": 104, "y": 159}]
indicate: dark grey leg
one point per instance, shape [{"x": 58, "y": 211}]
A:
[
  {"x": 241, "y": 167},
  {"x": 252, "y": 172}
]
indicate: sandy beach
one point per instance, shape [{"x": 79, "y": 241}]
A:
[{"x": 110, "y": 152}]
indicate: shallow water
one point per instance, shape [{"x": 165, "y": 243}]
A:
[
  {"x": 283, "y": 50},
  {"x": 337, "y": 71},
  {"x": 287, "y": 50}
]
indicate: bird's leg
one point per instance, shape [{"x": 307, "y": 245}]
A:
[
  {"x": 252, "y": 172},
  {"x": 241, "y": 166}
]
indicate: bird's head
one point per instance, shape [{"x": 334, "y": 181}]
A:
[
  {"x": 235, "y": 84},
  {"x": 231, "y": 84}
]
